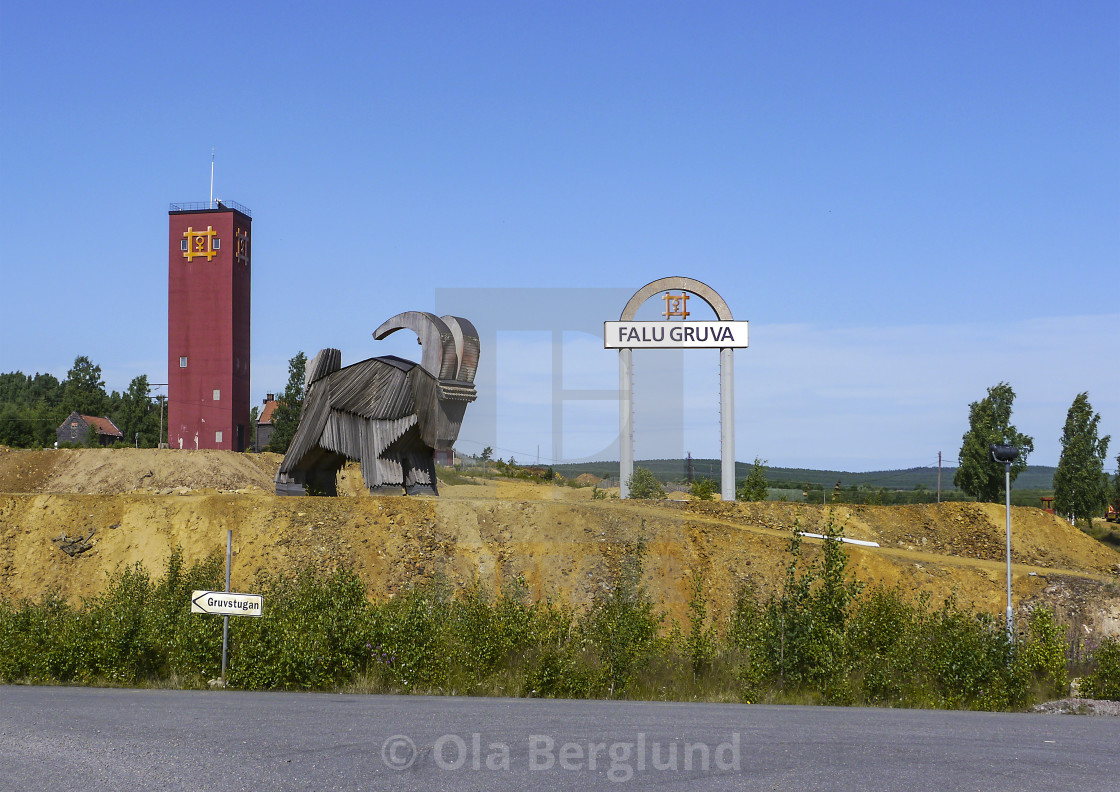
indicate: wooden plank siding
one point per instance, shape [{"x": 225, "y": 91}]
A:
[{"x": 386, "y": 412}]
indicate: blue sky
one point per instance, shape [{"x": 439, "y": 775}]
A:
[{"x": 909, "y": 201}]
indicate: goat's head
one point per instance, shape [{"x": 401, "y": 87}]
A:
[{"x": 450, "y": 348}]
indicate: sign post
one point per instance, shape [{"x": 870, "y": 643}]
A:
[
  {"x": 225, "y": 619},
  {"x": 226, "y": 603}
]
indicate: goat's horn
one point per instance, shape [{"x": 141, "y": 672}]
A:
[
  {"x": 436, "y": 339},
  {"x": 466, "y": 346}
]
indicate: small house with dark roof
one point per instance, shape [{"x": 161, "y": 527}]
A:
[
  {"x": 77, "y": 427},
  {"x": 264, "y": 422}
]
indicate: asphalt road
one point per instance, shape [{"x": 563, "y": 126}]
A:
[{"x": 97, "y": 739}]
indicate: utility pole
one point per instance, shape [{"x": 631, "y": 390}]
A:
[
  {"x": 939, "y": 477},
  {"x": 162, "y": 400}
]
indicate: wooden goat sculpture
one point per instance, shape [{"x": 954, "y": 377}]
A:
[{"x": 388, "y": 413}]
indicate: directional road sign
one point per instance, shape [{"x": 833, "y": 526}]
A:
[{"x": 227, "y": 603}]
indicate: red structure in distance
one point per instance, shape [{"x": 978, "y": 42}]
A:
[{"x": 208, "y": 310}]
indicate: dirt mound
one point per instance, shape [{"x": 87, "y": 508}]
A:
[
  {"x": 962, "y": 530},
  {"x": 25, "y": 471},
  {"x": 104, "y": 471},
  {"x": 106, "y": 507}
]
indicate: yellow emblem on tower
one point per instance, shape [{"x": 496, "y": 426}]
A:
[
  {"x": 200, "y": 243},
  {"x": 241, "y": 249}
]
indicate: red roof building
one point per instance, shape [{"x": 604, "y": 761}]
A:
[
  {"x": 264, "y": 422},
  {"x": 76, "y": 428}
]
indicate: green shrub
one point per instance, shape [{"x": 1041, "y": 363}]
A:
[
  {"x": 42, "y": 641},
  {"x": 703, "y": 489},
  {"x": 189, "y": 644},
  {"x": 753, "y": 487},
  {"x": 1039, "y": 665},
  {"x": 427, "y": 639},
  {"x": 808, "y": 617},
  {"x": 644, "y": 485},
  {"x": 560, "y": 671},
  {"x": 966, "y": 658},
  {"x": 1104, "y": 683},
  {"x": 621, "y": 626},
  {"x": 885, "y": 633},
  {"x": 702, "y": 638},
  {"x": 309, "y": 636},
  {"x": 405, "y": 639},
  {"x": 749, "y": 638},
  {"x": 120, "y": 647},
  {"x": 819, "y": 637},
  {"x": 133, "y": 631}
]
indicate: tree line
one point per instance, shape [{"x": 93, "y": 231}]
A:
[
  {"x": 1082, "y": 487},
  {"x": 32, "y": 407}
]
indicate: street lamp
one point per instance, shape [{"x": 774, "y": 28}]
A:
[{"x": 1005, "y": 455}]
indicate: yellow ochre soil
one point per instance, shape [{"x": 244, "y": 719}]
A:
[{"x": 135, "y": 505}]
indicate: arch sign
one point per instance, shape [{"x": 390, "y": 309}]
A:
[{"x": 676, "y": 332}]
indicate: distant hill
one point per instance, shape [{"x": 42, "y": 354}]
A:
[{"x": 1039, "y": 477}]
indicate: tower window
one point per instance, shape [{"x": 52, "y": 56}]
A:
[
  {"x": 216, "y": 244},
  {"x": 217, "y": 437},
  {"x": 183, "y": 362},
  {"x": 183, "y": 243},
  {"x": 217, "y": 395}
]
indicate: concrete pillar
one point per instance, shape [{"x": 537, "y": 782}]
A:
[
  {"x": 727, "y": 422},
  {"x": 625, "y": 420}
]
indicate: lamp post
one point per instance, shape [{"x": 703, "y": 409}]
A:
[{"x": 1005, "y": 455}]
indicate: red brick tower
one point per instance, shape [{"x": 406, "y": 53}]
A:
[{"x": 208, "y": 302}]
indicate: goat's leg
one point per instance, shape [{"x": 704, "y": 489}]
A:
[
  {"x": 389, "y": 477},
  {"x": 420, "y": 472}
]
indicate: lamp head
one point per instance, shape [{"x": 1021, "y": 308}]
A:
[{"x": 1004, "y": 454}]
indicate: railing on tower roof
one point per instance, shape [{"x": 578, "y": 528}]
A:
[{"x": 217, "y": 206}]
